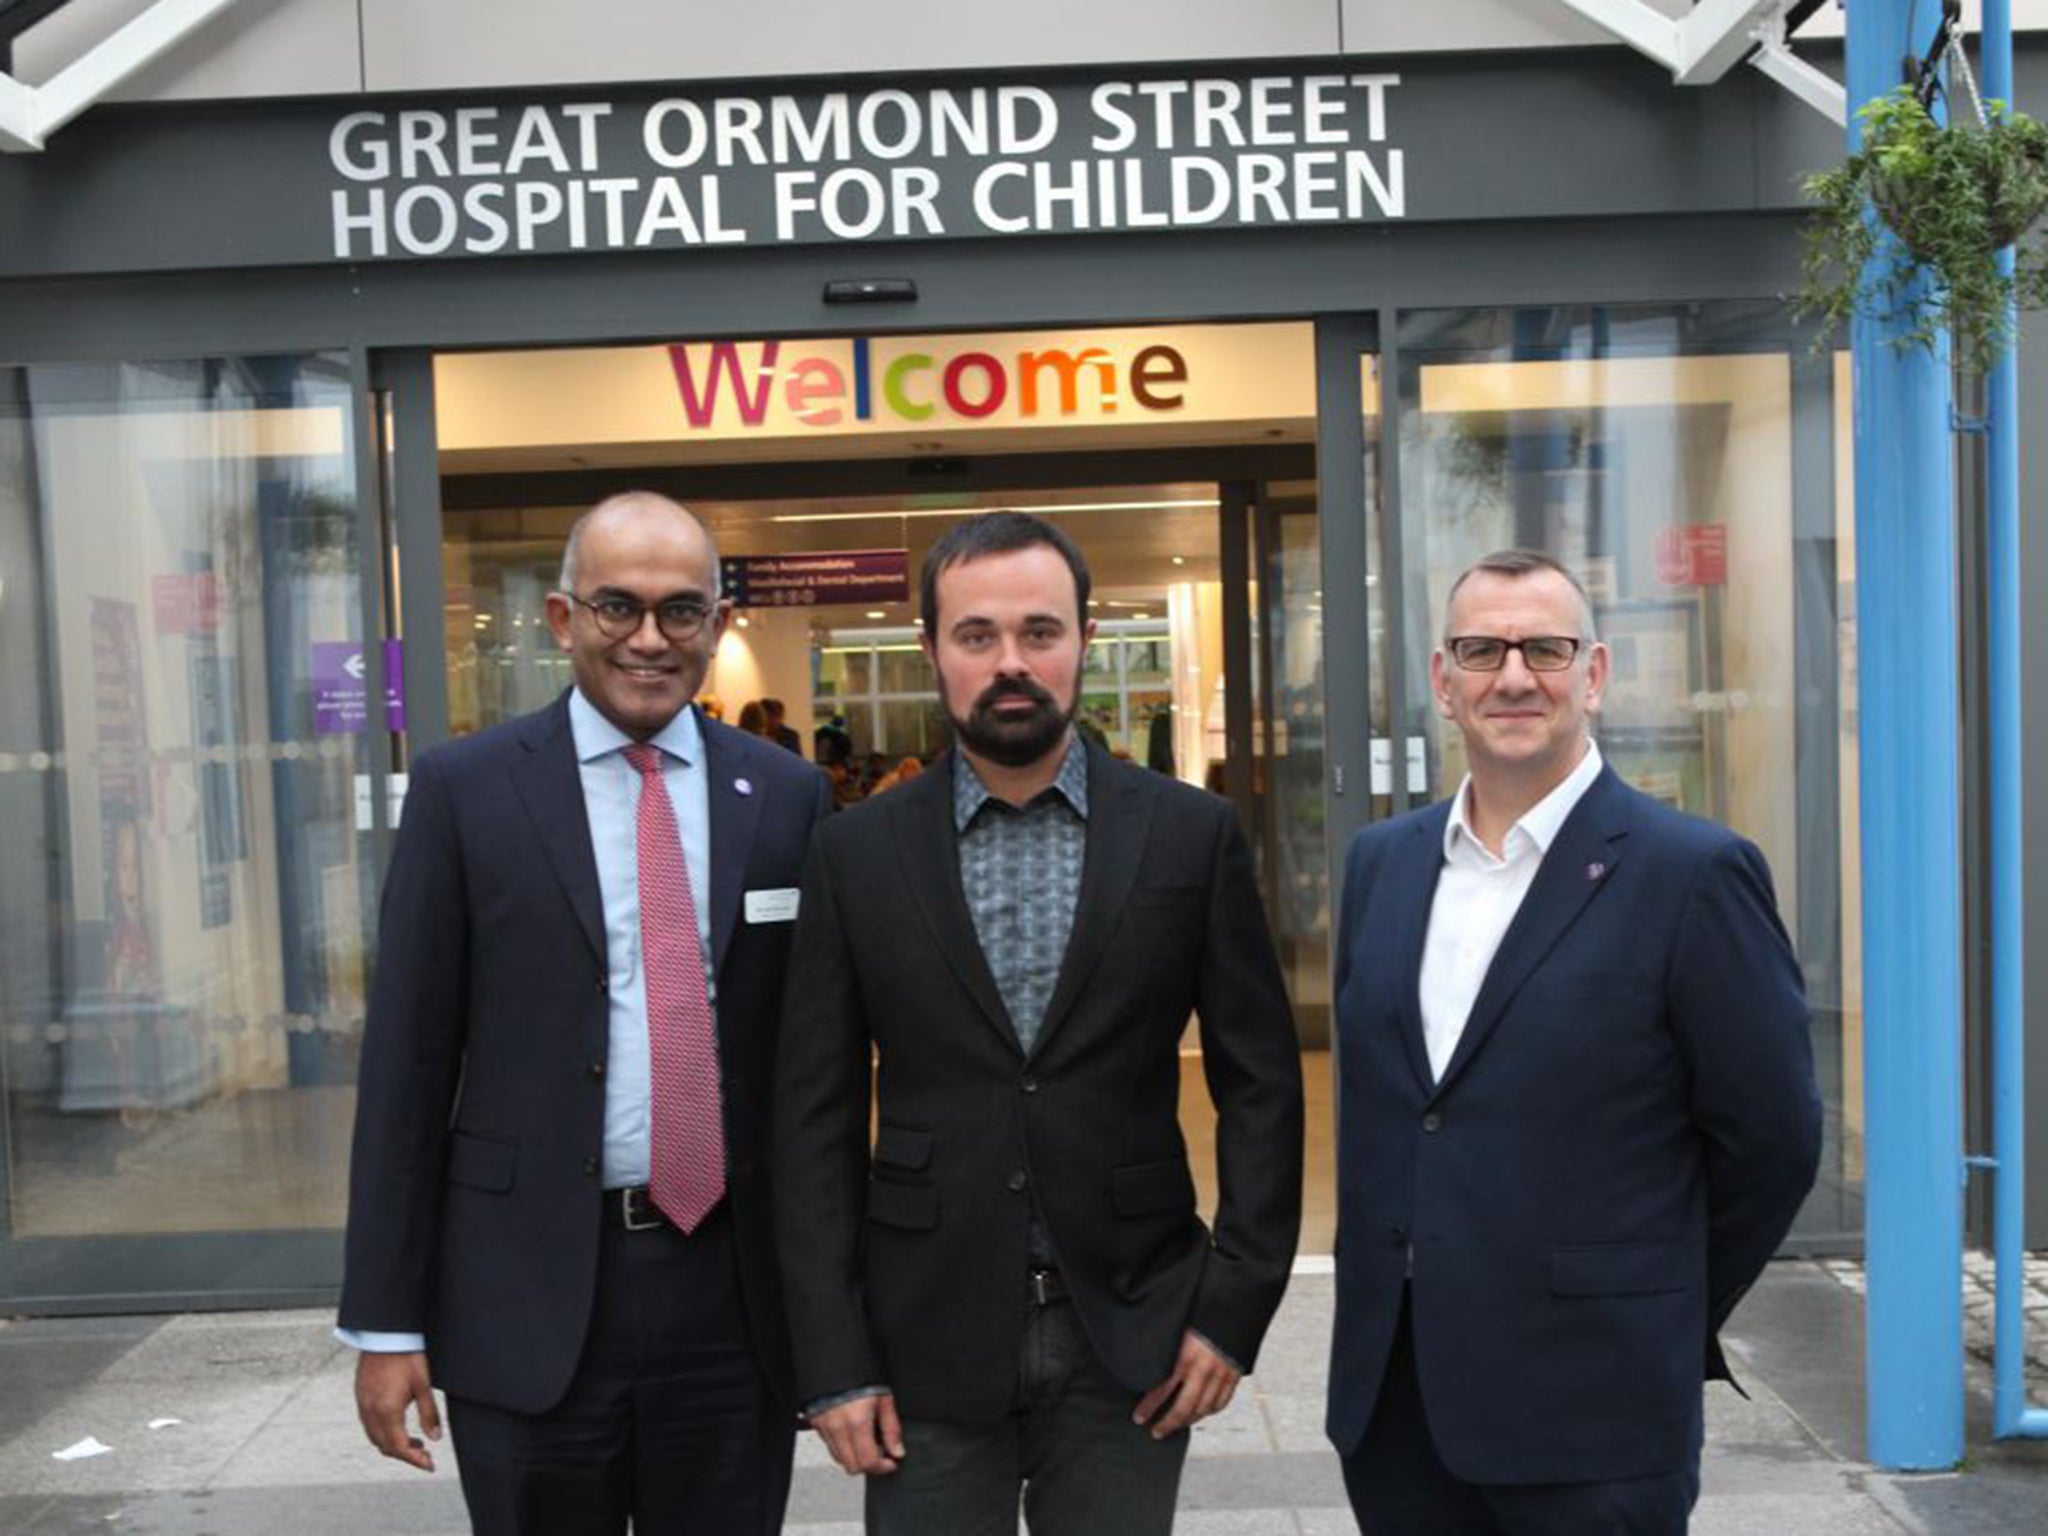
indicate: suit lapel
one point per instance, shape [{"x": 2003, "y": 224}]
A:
[
  {"x": 1416, "y": 864},
  {"x": 734, "y": 816},
  {"x": 1579, "y": 863},
  {"x": 550, "y": 786},
  {"x": 922, "y": 817},
  {"x": 1119, "y": 812}
]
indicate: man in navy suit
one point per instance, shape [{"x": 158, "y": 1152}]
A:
[
  {"x": 1576, "y": 1101},
  {"x": 558, "y": 1204}
]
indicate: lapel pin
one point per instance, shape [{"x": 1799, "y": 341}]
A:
[
  {"x": 744, "y": 786},
  {"x": 1595, "y": 871}
]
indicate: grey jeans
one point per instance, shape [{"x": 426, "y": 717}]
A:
[{"x": 1067, "y": 1449}]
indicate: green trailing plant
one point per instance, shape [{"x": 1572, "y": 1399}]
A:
[{"x": 1954, "y": 195}]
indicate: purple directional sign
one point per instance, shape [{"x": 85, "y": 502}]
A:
[
  {"x": 340, "y": 692},
  {"x": 819, "y": 577}
]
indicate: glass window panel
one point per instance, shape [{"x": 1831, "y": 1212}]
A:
[
  {"x": 183, "y": 880},
  {"x": 903, "y": 670},
  {"x": 1652, "y": 452}
]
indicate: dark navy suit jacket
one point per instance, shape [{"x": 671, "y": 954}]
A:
[
  {"x": 474, "y": 1194},
  {"x": 1618, "y": 1144}
]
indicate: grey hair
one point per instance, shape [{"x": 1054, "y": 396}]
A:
[
  {"x": 566, "y": 580},
  {"x": 1514, "y": 563}
]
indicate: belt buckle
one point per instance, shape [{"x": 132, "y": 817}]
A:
[{"x": 626, "y": 1216}]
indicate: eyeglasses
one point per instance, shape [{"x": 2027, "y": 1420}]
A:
[
  {"x": 1489, "y": 653},
  {"x": 619, "y": 617}
]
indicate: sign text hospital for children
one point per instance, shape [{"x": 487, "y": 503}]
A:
[{"x": 1217, "y": 151}]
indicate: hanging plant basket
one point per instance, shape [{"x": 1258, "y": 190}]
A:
[{"x": 1954, "y": 195}]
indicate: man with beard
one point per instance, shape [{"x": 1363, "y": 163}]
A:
[{"x": 1010, "y": 1294}]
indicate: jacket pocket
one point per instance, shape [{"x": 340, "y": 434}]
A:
[
  {"x": 1149, "y": 1189},
  {"x": 912, "y": 1207},
  {"x": 1620, "y": 1269},
  {"x": 900, "y": 1147},
  {"x": 481, "y": 1162}
]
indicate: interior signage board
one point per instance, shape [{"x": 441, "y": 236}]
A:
[
  {"x": 858, "y": 386},
  {"x": 822, "y": 576}
]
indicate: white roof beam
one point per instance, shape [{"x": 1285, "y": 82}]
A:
[
  {"x": 1815, "y": 87},
  {"x": 30, "y": 114},
  {"x": 1716, "y": 35},
  {"x": 1643, "y": 28},
  {"x": 17, "y": 115}
]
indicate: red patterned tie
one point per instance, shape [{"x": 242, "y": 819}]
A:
[{"x": 687, "y": 1176}]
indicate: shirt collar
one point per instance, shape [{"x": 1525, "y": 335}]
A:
[
  {"x": 1540, "y": 823},
  {"x": 970, "y": 794},
  {"x": 595, "y": 736}
]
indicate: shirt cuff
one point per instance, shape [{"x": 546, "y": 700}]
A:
[
  {"x": 382, "y": 1343},
  {"x": 1220, "y": 1352},
  {"x": 812, "y": 1410}
]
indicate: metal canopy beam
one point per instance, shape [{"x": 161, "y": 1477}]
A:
[
  {"x": 1700, "y": 47},
  {"x": 30, "y": 114}
]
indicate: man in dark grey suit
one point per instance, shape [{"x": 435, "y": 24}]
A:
[
  {"x": 1012, "y": 1289},
  {"x": 558, "y": 1196}
]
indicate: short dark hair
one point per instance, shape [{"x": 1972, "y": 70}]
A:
[
  {"x": 1514, "y": 563},
  {"x": 996, "y": 533}
]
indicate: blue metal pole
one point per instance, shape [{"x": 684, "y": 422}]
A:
[
  {"x": 2010, "y": 1415},
  {"x": 1906, "y": 696}
]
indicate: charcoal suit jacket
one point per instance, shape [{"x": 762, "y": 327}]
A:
[
  {"x": 906, "y": 1261},
  {"x": 474, "y": 1190}
]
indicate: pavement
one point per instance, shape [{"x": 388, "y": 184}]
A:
[{"x": 242, "y": 1424}]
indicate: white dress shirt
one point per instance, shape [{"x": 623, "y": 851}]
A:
[{"x": 1477, "y": 896}]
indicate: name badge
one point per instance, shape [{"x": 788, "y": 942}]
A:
[{"x": 772, "y": 906}]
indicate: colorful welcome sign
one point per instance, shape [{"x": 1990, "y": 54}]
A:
[{"x": 911, "y": 385}]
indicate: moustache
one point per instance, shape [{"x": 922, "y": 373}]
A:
[{"x": 1013, "y": 688}]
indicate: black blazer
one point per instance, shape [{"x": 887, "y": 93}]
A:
[
  {"x": 1618, "y": 1144},
  {"x": 908, "y": 1267},
  {"x": 474, "y": 1186}
]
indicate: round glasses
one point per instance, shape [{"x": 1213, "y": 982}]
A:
[
  {"x": 619, "y": 617},
  {"x": 1489, "y": 653}
]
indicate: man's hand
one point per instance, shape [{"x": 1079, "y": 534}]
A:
[
  {"x": 863, "y": 1434},
  {"x": 1202, "y": 1383},
  {"x": 387, "y": 1385}
]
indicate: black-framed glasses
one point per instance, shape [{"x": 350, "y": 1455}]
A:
[
  {"x": 1489, "y": 653},
  {"x": 619, "y": 617}
]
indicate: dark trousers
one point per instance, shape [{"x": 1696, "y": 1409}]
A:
[
  {"x": 667, "y": 1421},
  {"x": 1068, "y": 1447},
  {"x": 1399, "y": 1485}
]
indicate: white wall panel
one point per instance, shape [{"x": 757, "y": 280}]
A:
[
  {"x": 414, "y": 46},
  {"x": 254, "y": 48}
]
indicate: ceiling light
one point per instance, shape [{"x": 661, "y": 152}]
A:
[
  {"x": 877, "y": 613},
  {"x": 1180, "y": 559}
]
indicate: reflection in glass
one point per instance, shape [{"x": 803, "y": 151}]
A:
[{"x": 182, "y": 717}]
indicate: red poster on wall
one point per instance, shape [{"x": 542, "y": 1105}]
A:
[{"x": 1693, "y": 555}]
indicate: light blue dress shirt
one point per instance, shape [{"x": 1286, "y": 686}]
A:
[{"x": 611, "y": 802}]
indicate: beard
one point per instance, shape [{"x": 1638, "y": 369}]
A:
[{"x": 1015, "y": 740}]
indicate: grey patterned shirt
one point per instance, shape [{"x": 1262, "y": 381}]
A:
[{"x": 1020, "y": 869}]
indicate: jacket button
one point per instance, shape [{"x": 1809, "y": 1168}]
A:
[
  {"x": 1432, "y": 1121},
  {"x": 590, "y": 1166},
  {"x": 597, "y": 1069},
  {"x": 1017, "y": 1181},
  {"x": 604, "y": 982},
  {"x": 1029, "y": 1085}
]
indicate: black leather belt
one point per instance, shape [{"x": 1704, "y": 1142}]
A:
[
  {"x": 634, "y": 1209},
  {"x": 1045, "y": 1287}
]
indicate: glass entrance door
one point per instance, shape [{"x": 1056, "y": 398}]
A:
[{"x": 187, "y": 578}]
